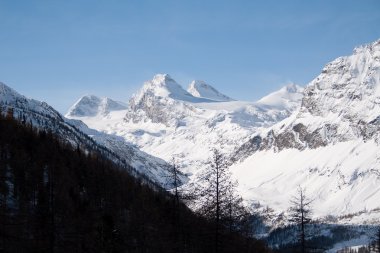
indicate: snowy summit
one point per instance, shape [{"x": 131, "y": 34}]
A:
[
  {"x": 90, "y": 105},
  {"x": 203, "y": 90},
  {"x": 163, "y": 85},
  {"x": 283, "y": 97}
]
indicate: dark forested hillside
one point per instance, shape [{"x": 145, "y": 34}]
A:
[{"x": 56, "y": 198}]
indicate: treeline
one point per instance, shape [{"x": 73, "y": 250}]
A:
[
  {"x": 56, "y": 198},
  {"x": 307, "y": 235},
  {"x": 322, "y": 237}
]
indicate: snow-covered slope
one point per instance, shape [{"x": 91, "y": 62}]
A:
[
  {"x": 165, "y": 120},
  {"x": 203, "y": 90},
  {"x": 43, "y": 116},
  {"x": 90, "y": 105},
  {"x": 287, "y": 97},
  {"x": 331, "y": 145}
]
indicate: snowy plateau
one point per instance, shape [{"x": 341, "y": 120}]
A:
[{"x": 324, "y": 137}]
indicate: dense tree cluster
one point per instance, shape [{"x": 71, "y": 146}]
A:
[
  {"x": 375, "y": 242},
  {"x": 56, "y": 198}
]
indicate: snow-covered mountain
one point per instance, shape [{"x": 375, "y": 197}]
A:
[
  {"x": 92, "y": 105},
  {"x": 43, "y": 116},
  {"x": 324, "y": 137},
  {"x": 331, "y": 145},
  {"x": 201, "y": 89},
  {"x": 287, "y": 97},
  {"x": 166, "y": 121}
]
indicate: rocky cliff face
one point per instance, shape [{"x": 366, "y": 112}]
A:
[
  {"x": 341, "y": 104},
  {"x": 161, "y": 100}
]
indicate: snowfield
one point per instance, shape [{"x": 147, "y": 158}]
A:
[{"x": 341, "y": 178}]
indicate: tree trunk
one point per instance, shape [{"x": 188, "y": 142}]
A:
[{"x": 217, "y": 210}]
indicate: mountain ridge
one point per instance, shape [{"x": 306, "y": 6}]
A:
[
  {"x": 41, "y": 115},
  {"x": 158, "y": 118}
]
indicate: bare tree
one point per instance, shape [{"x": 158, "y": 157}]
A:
[
  {"x": 174, "y": 181},
  {"x": 236, "y": 217},
  {"x": 216, "y": 197},
  {"x": 216, "y": 180},
  {"x": 300, "y": 214}
]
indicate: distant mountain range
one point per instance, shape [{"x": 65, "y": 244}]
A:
[
  {"x": 324, "y": 137},
  {"x": 167, "y": 121}
]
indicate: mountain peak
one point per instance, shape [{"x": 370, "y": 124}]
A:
[
  {"x": 163, "y": 86},
  {"x": 374, "y": 46},
  {"x": 5, "y": 89},
  {"x": 162, "y": 79},
  {"x": 8, "y": 95},
  {"x": 201, "y": 89},
  {"x": 348, "y": 86},
  {"x": 90, "y": 105},
  {"x": 284, "y": 97},
  {"x": 292, "y": 88}
]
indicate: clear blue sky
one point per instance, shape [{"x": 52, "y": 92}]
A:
[{"x": 57, "y": 51}]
